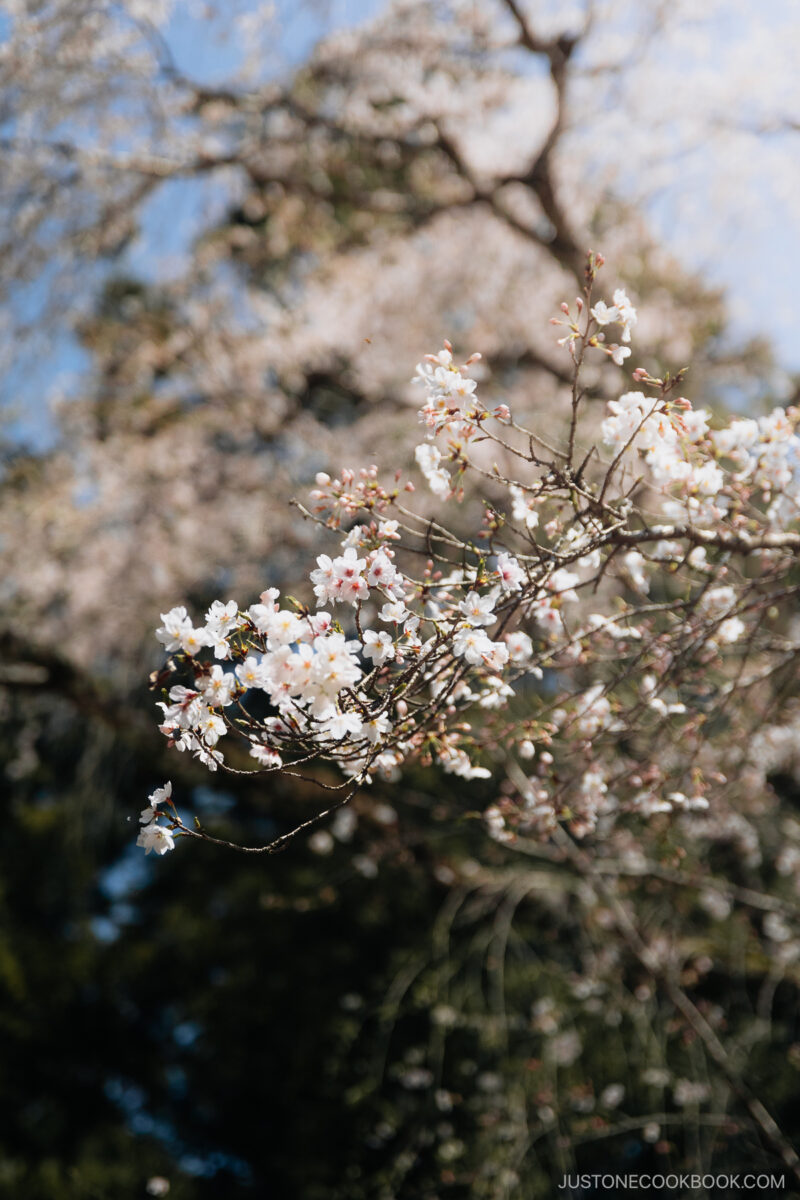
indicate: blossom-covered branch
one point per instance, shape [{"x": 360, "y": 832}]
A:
[{"x": 620, "y": 592}]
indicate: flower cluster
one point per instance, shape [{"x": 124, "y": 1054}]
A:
[
  {"x": 620, "y": 312},
  {"x": 570, "y": 628},
  {"x": 152, "y": 835}
]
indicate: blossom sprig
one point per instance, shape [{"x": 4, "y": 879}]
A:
[
  {"x": 621, "y": 312},
  {"x": 351, "y": 492},
  {"x": 621, "y": 588},
  {"x": 154, "y": 835}
]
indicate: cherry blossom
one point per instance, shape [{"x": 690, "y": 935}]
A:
[{"x": 585, "y": 591}]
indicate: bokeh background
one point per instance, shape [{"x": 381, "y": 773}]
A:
[{"x": 229, "y": 231}]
